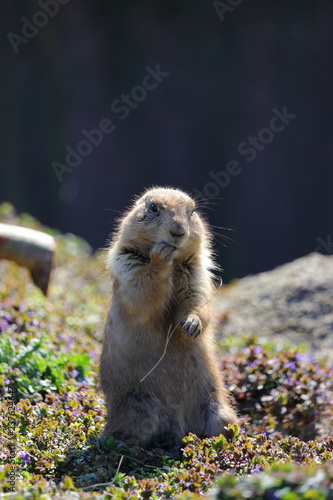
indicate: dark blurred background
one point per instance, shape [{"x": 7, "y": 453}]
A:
[{"x": 220, "y": 68}]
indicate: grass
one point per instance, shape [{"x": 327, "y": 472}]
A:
[{"x": 52, "y": 412}]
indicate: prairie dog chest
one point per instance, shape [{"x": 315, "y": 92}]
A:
[{"x": 182, "y": 278}]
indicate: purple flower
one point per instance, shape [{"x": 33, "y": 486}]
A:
[
  {"x": 271, "y": 495},
  {"x": 256, "y": 470},
  {"x": 302, "y": 357},
  {"x": 3, "y": 325},
  {"x": 24, "y": 457},
  {"x": 75, "y": 373}
]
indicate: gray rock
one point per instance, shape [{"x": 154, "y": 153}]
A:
[{"x": 293, "y": 303}]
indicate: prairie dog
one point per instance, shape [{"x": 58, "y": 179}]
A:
[{"x": 160, "y": 262}]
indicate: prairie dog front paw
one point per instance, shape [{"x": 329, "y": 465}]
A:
[
  {"x": 162, "y": 252},
  {"x": 192, "y": 325}
]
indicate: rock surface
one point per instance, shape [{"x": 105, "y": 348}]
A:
[{"x": 292, "y": 303}]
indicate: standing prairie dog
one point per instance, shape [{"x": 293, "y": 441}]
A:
[{"x": 160, "y": 263}]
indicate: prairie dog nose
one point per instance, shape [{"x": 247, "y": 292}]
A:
[{"x": 177, "y": 230}]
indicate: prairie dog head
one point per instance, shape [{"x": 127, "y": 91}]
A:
[{"x": 163, "y": 215}]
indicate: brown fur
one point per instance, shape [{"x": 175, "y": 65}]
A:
[{"x": 160, "y": 264}]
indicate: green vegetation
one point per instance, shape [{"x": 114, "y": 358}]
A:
[{"x": 52, "y": 412}]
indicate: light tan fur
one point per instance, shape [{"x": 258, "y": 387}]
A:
[{"x": 161, "y": 274}]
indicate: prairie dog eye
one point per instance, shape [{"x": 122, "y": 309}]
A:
[{"x": 153, "y": 208}]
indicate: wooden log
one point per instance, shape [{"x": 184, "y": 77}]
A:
[{"x": 30, "y": 248}]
